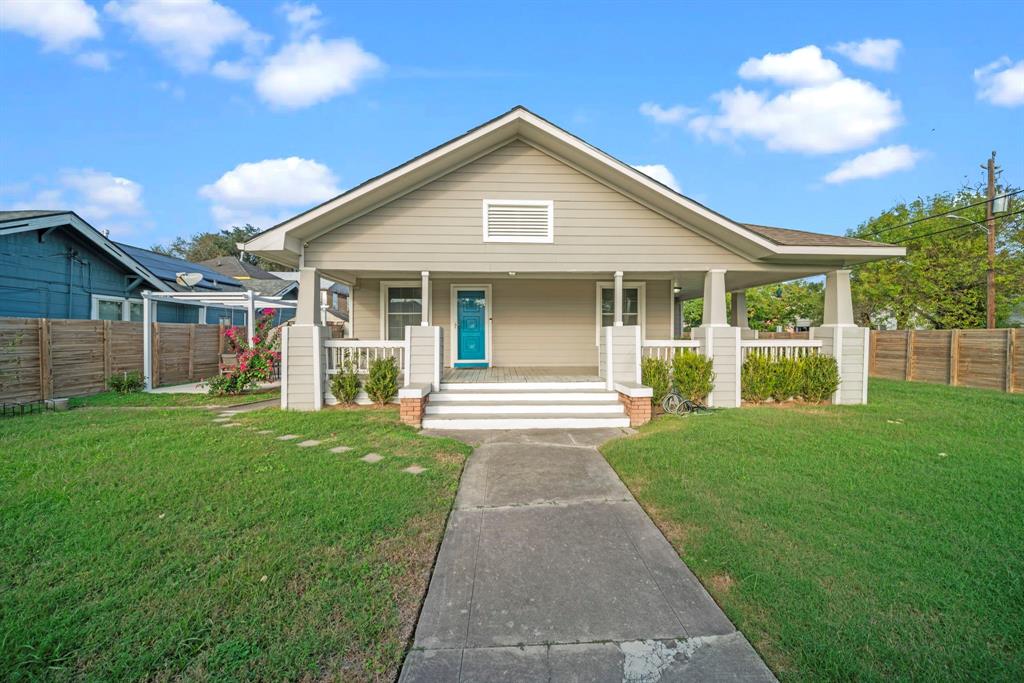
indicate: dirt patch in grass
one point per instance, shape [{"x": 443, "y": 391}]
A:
[{"x": 721, "y": 584}]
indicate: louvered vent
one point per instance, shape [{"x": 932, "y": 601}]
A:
[{"x": 518, "y": 220}]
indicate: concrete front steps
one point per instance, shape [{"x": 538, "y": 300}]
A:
[{"x": 524, "y": 405}]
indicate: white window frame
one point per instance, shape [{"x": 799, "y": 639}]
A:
[
  {"x": 126, "y": 308},
  {"x": 641, "y": 286},
  {"x": 489, "y": 313},
  {"x": 424, "y": 301},
  {"x": 547, "y": 239}
]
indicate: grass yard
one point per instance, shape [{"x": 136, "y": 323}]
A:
[
  {"x": 157, "y": 545},
  {"x": 870, "y": 542},
  {"x": 110, "y": 399}
]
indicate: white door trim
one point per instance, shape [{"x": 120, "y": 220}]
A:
[{"x": 489, "y": 312}]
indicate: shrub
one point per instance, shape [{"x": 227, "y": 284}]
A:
[
  {"x": 756, "y": 378},
  {"x": 382, "y": 383},
  {"x": 657, "y": 374},
  {"x": 787, "y": 378},
  {"x": 820, "y": 377},
  {"x": 692, "y": 375},
  {"x": 345, "y": 383},
  {"x": 234, "y": 383},
  {"x": 126, "y": 382}
]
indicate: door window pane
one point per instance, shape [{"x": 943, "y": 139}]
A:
[
  {"x": 630, "y": 306},
  {"x": 108, "y": 310},
  {"x": 135, "y": 312},
  {"x": 404, "y": 308}
]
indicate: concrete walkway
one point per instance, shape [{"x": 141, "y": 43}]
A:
[{"x": 550, "y": 571}]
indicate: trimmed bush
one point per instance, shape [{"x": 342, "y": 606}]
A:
[
  {"x": 692, "y": 375},
  {"x": 656, "y": 374},
  {"x": 126, "y": 382},
  {"x": 756, "y": 378},
  {"x": 382, "y": 383},
  {"x": 787, "y": 378},
  {"x": 345, "y": 383},
  {"x": 820, "y": 377}
]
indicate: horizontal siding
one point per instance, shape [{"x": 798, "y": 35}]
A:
[
  {"x": 440, "y": 226},
  {"x": 535, "y": 322}
]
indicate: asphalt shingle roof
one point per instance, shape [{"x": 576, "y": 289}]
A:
[
  {"x": 801, "y": 238},
  {"x": 230, "y": 265}
]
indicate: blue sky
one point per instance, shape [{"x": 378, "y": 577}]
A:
[{"x": 155, "y": 121}]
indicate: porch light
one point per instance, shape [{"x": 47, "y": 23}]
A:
[{"x": 512, "y": 273}]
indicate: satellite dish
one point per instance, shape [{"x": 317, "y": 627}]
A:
[{"x": 188, "y": 279}]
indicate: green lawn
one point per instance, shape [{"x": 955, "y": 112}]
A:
[
  {"x": 870, "y": 542},
  {"x": 110, "y": 399},
  {"x": 154, "y": 544}
]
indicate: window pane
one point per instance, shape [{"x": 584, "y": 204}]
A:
[
  {"x": 109, "y": 310},
  {"x": 630, "y": 306},
  {"x": 135, "y": 312},
  {"x": 404, "y": 308}
]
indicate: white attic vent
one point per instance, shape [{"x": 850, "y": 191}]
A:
[{"x": 519, "y": 220}]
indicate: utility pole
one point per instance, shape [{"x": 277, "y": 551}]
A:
[{"x": 990, "y": 221}]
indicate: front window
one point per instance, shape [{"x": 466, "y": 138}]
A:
[
  {"x": 135, "y": 311},
  {"x": 630, "y": 306},
  {"x": 404, "y": 307},
  {"x": 109, "y": 310}
]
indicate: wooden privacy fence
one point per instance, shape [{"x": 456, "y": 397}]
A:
[
  {"x": 42, "y": 358},
  {"x": 990, "y": 359}
]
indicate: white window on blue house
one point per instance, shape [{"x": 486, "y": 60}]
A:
[{"x": 115, "y": 308}]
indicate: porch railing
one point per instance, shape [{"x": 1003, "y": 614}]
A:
[
  {"x": 665, "y": 349},
  {"x": 362, "y": 353},
  {"x": 779, "y": 348}
]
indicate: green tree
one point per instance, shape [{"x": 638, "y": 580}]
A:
[
  {"x": 941, "y": 282},
  {"x": 772, "y": 305},
  {"x": 206, "y": 245}
]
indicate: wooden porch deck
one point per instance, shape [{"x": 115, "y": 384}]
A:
[{"x": 522, "y": 374}]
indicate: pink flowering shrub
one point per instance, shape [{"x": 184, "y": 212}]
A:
[{"x": 256, "y": 361}]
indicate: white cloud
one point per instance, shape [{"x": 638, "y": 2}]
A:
[
  {"x": 101, "y": 195},
  {"x": 187, "y": 32},
  {"x": 675, "y": 114},
  {"x": 307, "y": 73},
  {"x": 241, "y": 70},
  {"x": 304, "y": 19},
  {"x": 820, "y": 119},
  {"x": 94, "y": 60},
  {"x": 660, "y": 173},
  {"x": 260, "y": 192},
  {"x": 876, "y": 53},
  {"x": 60, "y": 25},
  {"x": 875, "y": 164},
  {"x": 1001, "y": 83},
  {"x": 803, "y": 66}
]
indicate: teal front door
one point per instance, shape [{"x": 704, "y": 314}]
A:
[{"x": 472, "y": 328}]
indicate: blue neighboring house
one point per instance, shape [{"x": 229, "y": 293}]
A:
[{"x": 53, "y": 264}]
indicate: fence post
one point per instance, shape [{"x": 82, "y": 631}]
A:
[
  {"x": 220, "y": 341},
  {"x": 873, "y": 363},
  {"x": 191, "y": 350},
  {"x": 954, "y": 358},
  {"x": 106, "y": 350},
  {"x": 156, "y": 354},
  {"x": 45, "y": 360},
  {"x": 908, "y": 363},
  {"x": 1008, "y": 384}
]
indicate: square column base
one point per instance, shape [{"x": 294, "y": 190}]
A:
[
  {"x": 848, "y": 344},
  {"x": 722, "y": 345}
]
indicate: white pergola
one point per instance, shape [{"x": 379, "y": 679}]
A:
[{"x": 247, "y": 300}]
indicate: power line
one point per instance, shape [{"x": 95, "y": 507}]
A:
[
  {"x": 968, "y": 224},
  {"x": 938, "y": 215}
]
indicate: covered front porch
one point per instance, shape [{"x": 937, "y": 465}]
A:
[{"x": 502, "y": 375}]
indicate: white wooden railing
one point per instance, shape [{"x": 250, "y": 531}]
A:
[
  {"x": 779, "y": 348},
  {"x": 362, "y": 353},
  {"x": 665, "y": 349}
]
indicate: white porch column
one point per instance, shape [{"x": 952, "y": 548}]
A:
[
  {"x": 303, "y": 379},
  {"x": 617, "y": 320},
  {"x": 838, "y": 302},
  {"x": 308, "y": 311},
  {"x": 843, "y": 340},
  {"x": 738, "y": 314},
  {"x": 425, "y": 298},
  {"x": 147, "y": 340},
  {"x": 250, "y": 319},
  {"x": 714, "y": 299}
]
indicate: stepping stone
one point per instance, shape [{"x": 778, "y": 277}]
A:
[
  {"x": 222, "y": 419},
  {"x": 341, "y": 449},
  {"x": 372, "y": 457},
  {"x": 232, "y": 424},
  {"x": 287, "y": 437},
  {"x": 309, "y": 442},
  {"x": 414, "y": 469},
  {"x": 228, "y": 414},
  {"x": 265, "y": 431}
]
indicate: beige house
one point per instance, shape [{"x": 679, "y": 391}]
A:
[{"x": 518, "y": 274}]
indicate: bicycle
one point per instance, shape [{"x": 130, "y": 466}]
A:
[{"x": 675, "y": 404}]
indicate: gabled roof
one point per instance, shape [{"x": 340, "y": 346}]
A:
[
  {"x": 283, "y": 242},
  {"x": 167, "y": 268},
  {"x": 270, "y": 287},
  {"x": 12, "y": 222},
  {"x": 236, "y": 268},
  {"x": 801, "y": 238}
]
